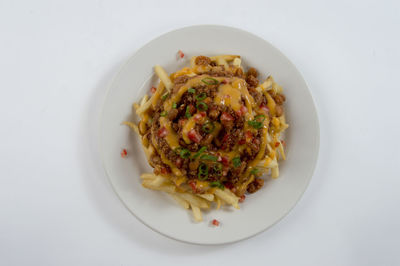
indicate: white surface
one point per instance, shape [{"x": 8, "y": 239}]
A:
[
  {"x": 56, "y": 205},
  {"x": 158, "y": 210}
]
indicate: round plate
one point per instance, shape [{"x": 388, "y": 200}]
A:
[{"x": 156, "y": 209}]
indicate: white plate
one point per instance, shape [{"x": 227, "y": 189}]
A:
[{"x": 157, "y": 210}]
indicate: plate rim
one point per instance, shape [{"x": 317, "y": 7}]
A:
[{"x": 132, "y": 57}]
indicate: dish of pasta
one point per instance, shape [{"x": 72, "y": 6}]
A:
[{"x": 212, "y": 132}]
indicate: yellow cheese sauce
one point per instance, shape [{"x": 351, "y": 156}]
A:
[
  {"x": 172, "y": 138},
  {"x": 186, "y": 128},
  {"x": 190, "y": 83},
  {"x": 230, "y": 96}
]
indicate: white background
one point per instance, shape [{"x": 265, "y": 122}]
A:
[{"x": 56, "y": 60}]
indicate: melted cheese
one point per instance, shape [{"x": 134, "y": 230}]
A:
[
  {"x": 176, "y": 97},
  {"x": 165, "y": 160},
  {"x": 232, "y": 154},
  {"x": 186, "y": 128},
  {"x": 271, "y": 103},
  {"x": 178, "y": 180},
  {"x": 261, "y": 154},
  {"x": 173, "y": 142},
  {"x": 172, "y": 138},
  {"x": 240, "y": 84},
  {"x": 230, "y": 96},
  {"x": 183, "y": 71}
]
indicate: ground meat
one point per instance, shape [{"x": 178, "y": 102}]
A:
[
  {"x": 191, "y": 110},
  {"x": 230, "y": 131},
  {"x": 227, "y": 124},
  {"x": 252, "y": 81},
  {"x": 252, "y": 72},
  {"x": 278, "y": 110},
  {"x": 219, "y": 71},
  {"x": 255, "y": 185},
  {"x": 207, "y": 140},
  {"x": 156, "y": 160},
  {"x": 194, "y": 165},
  {"x": 250, "y": 152},
  {"x": 175, "y": 126},
  {"x": 239, "y": 73},
  {"x": 214, "y": 113},
  {"x": 165, "y": 149},
  {"x": 239, "y": 170},
  {"x": 179, "y": 82},
  {"x": 254, "y": 147},
  {"x": 181, "y": 79},
  {"x": 202, "y": 60},
  {"x": 193, "y": 147},
  {"x": 279, "y": 98},
  {"x": 172, "y": 114},
  {"x": 257, "y": 96}
]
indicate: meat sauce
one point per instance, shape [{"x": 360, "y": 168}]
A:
[{"x": 208, "y": 127}]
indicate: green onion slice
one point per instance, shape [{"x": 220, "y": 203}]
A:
[
  {"x": 202, "y": 106},
  {"x": 184, "y": 153},
  {"x": 218, "y": 169},
  {"x": 199, "y": 152},
  {"x": 202, "y": 172},
  {"x": 217, "y": 184},
  {"x": 208, "y": 127},
  {"x": 257, "y": 123},
  {"x": 236, "y": 162},
  {"x": 207, "y": 157},
  {"x": 187, "y": 113},
  {"x": 201, "y": 96},
  {"x": 254, "y": 171},
  {"x": 164, "y": 96},
  {"x": 210, "y": 81}
]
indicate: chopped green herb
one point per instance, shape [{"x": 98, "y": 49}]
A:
[
  {"x": 164, "y": 96},
  {"x": 201, "y": 96},
  {"x": 217, "y": 184},
  {"x": 210, "y": 81},
  {"x": 259, "y": 118},
  {"x": 254, "y": 171},
  {"x": 199, "y": 152},
  {"x": 257, "y": 123},
  {"x": 236, "y": 162},
  {"x": 184, "y": 153},
  {"x": 174, "y": 105},
  {"x": 164, "y": 113},
  {"x": 208, "y": 127},
  {"x": 187, "y": 113},
  {"x": 209, "y": 157},
  {"x": 191, "y": 90}
]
